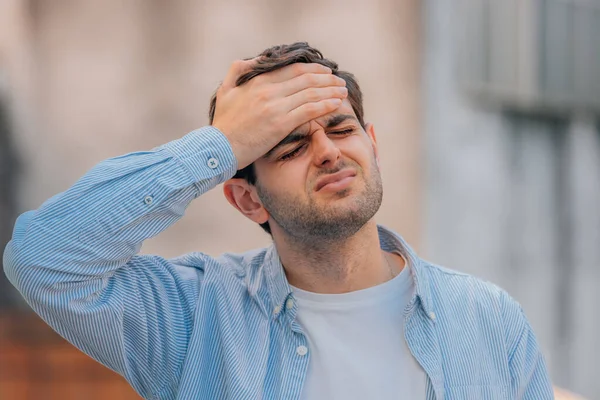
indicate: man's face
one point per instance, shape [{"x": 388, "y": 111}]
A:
[{"x": 322, "y": 181}]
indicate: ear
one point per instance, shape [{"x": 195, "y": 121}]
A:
[
  {"x": 243, "y": 196},
  {"x": 370, "y": 130}
]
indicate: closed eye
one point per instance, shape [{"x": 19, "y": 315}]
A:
[
  {"x": 292, "y": 153},
  {"x": 342, "y": 132}
]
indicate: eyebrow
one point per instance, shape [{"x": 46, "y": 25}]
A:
[
  {"x": 298, "y": 136},
  {"x": 338, "y": 119}
]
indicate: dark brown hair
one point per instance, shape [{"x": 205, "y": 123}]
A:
[{"x": 281, "y": 56}]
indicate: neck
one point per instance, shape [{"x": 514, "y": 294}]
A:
[{"x": 340, "y": 266}]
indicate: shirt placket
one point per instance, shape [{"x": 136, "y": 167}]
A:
[
  {"x": 421, "y": 337},
  {"x": 298, "y": 351}
]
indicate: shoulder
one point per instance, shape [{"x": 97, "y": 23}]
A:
[
  {"x": 236, "y": 265},
  {"x": 452, "y": 286},
  {"x": 474, "y": 299}
]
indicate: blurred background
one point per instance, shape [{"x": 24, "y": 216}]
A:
[{"x": 488, "y": 121}]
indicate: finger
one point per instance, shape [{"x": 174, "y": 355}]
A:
[
  {"x": 306, "y": 81},
  {"x": 309, "y": 111},
  {"x": 237, "y": 69},
  {"x": 294, "y": 70},
  {"x": 314, "y": 95}
]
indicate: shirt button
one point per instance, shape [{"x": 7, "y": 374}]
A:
[
  {"x": 276, "y": 310},
  {"x": 302, "y": 350},
  {"x": 213, "y": 163},
  {"x": 148, "y": 200},
  {"x": 432, "y": 315},
  {"x": 289, "y": 303}
]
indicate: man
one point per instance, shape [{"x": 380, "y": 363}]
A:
[{"x": 336, "y": 308}]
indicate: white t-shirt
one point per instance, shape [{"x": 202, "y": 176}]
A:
[{"x": 356, "y": 343}]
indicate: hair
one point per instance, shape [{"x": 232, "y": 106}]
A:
[{"x": 277, "y": 57}]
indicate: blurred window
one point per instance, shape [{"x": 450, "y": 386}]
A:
[{"x": 532, "y": 53}]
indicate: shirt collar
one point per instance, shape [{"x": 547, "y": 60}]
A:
[
  {"x": 279, "y": 288},
  {"x": 392, "y": 242}
]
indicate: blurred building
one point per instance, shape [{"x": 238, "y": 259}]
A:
[
  {"x": 512, "y": 149},
  {"x": 487, "y": 121}
]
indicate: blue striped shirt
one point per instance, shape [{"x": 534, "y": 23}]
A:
[{"x": 198, "y": 327}]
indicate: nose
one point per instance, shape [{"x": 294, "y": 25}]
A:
[{"x": 325, "y": 153}]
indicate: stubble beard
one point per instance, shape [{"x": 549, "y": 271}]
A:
[{"x": 316, "y": 224}]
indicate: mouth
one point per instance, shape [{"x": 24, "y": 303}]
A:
[{"x": 338, "y": 181}]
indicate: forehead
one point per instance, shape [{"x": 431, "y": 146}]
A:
[
  {"x": 335, "y": 118},
  {"x": 344, "y": 108}
]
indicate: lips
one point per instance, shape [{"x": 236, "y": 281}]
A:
[{"x": 338, "y": 176}]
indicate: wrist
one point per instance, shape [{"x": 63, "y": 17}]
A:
[
  {"x": 205, "y": 152},
  {"x": 236, "y": 147}
]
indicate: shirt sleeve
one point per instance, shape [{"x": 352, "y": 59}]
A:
[
  {"x": 530, "y": 379},
  {"x": 75, "y": 259}
]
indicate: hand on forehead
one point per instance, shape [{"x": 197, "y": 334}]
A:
[{"x": 342, "y": 115}]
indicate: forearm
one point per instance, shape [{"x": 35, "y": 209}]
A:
[{"x": 97, "y": 225}]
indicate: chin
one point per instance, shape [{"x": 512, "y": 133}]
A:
[{"x": 344, "y": 203}]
